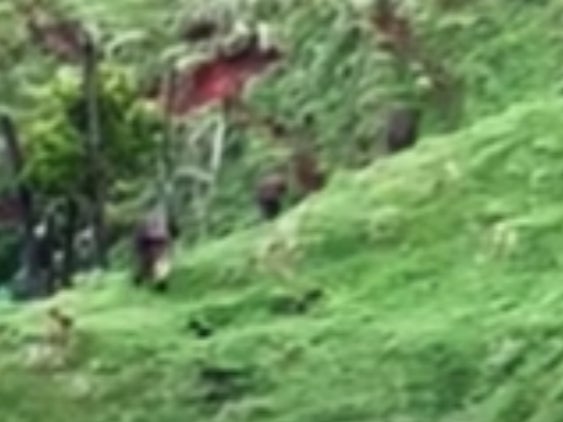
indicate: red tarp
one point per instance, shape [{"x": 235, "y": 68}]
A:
[{"x": 220, "y": 78}]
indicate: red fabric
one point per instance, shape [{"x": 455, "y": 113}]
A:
[{"x": 218, "y": 79}]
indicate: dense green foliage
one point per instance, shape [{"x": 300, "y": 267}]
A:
[
  {"x": 55, "y": 131},
  {"x": 440, "y": 268}
]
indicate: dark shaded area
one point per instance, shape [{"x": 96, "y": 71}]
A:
[
  {"x": 402, "y": 128},
  {"x": 198, "y": 30},
  {"x": 10, "y": 246},
  {"x": 93, "y": 144},
  {"x": 270, "y": 194},
  {"x": 30, "y": 284},
  {"x": 69, "y": 231},
  {"x": 10, "y": 212},
  {"x": 296, "y": 304},
  {"x": 222, "y": 384},
  {"x": 200, "y": 328}
]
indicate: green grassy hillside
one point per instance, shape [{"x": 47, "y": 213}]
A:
[
  {"x": 440, "y": 268},
  {"x": 441, "y": 274}
]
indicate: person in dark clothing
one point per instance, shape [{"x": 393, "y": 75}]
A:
[
  {"x": 402, "y": 128},
  {"x": 152, "y": 244},
  {"x": 270, "y": 193}
]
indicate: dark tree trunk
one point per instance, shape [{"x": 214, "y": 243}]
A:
[
  {"x": 93, "y": 144},
  {"x": 166, "y": 163},
  {"x": 31, "y": 283},
  {"x": 68, "y": 236},
  {"x": 46, "y": 246}
]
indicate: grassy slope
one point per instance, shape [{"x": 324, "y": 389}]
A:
[
  {"x": 443, "y": 302},
  {"x": 441, "y": 272}
]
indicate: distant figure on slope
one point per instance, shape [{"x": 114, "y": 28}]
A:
[
  {"x": 152, "y": 244},
  {"x": 402, "y": 128},
  {"x": 270, "y": 194}
]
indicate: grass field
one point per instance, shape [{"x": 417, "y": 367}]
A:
[{"x": 440, "y": 273}]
